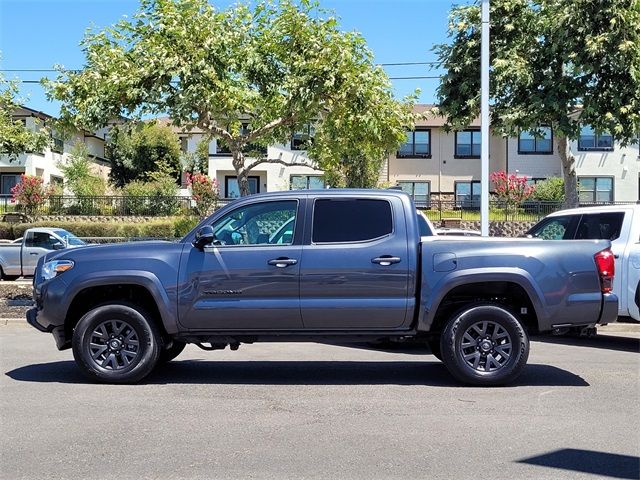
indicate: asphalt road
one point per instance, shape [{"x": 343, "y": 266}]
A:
[{"x": 320, "y": 411}]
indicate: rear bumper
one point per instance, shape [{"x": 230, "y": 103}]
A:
[{"x": 609, "y": 312}]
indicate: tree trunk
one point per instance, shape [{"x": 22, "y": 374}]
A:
[
  {"x": 241, "y": 172},
  {"x": 569, "y": 173}
]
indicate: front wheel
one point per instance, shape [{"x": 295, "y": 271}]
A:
[
  {"x": 485, "y": 345},
  {"x": 116, "y": 343}
]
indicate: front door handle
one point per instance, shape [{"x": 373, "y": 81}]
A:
[
  {"x": 282, "y": 262},
  {"x": 34, "y": 253},
  {"x": 385, "y": 260}
]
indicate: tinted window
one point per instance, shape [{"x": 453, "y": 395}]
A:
[
  {"x": 40, "y": 240},
  {"x": 556, "y": 228},
  {"x": 257, "y": 224},
  {"x": 350, "y": 220},
  {"x": 600, "y": 226}
]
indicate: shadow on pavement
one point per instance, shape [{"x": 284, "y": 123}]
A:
[
  {"x": 298, "y": 373},
  {"x": 587, "y": 461},
  {"x": 608, "y": 342}
]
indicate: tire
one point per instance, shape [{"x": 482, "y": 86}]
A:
[
  {"x": 116, "y": 343},
  {"x": 9, "y": 278},
  {"x": 168, "y": 354},
  {"x": 434, "y": 346},
  {"x": 485, "y": 345}
]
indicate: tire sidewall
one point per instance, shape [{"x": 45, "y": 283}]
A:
[
  {"x": 148, "y": 338},
  {"x": 451, "y": 345}
]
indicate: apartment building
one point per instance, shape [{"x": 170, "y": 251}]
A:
[
  {"x": 45, "y": 164},
  {"x": 265, "y": 177},
  {"x": 437, "y": 165}
]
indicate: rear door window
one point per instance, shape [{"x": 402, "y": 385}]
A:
[
  {"x": 600, "y": 226},
  {"x": 351, "y": 220}
]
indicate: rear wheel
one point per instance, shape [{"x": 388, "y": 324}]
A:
[
  {"x": 8, "y": 277},
  {"x": 116, "y": 344},
  {"x": 485, "y": 345}
]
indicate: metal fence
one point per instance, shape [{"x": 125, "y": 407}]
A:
[{"x": 528, "y": 211}]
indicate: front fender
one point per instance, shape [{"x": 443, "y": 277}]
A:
[{"x": 142, "y": 278}]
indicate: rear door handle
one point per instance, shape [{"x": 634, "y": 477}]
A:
[
  {"x": 282, "y": 262},
  {"x": 385, "y": 260}
]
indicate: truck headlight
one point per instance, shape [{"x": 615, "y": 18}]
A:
[{"x": 55, "y": 268}]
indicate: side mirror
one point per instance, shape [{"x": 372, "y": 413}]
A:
[
  {"x": 58, "y": 246},
  {"x": 204, "y": 236}
]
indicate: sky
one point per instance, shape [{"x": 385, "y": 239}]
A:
[{"x": 38, "y": 34}]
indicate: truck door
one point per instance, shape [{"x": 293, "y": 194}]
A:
[
  {"x": 249, "y": 277},
  {"x": 355, "y": 265},
  {"x": 36, "y": 244}
]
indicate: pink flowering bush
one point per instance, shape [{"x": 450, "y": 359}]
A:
[
  {"x": 204, "y": 191},
  {"x": 510, "y": 188},
  {"x": 30, "y": 193}
]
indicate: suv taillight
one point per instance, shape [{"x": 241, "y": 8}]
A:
[{"x": 606, "y": 269}]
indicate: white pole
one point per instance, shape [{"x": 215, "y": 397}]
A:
[{"x": 484, "y": 121}]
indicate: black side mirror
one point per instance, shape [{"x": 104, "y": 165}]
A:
[
  {"x": 58, "y": 246},
  {"x": 204, "y": 237}
]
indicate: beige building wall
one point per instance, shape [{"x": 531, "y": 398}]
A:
[{"x": 533, "y": 165}]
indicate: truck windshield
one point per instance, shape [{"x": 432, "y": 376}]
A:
[{"x": 69, "y": 237}]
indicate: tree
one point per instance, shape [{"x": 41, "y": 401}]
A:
[
  {"x": 511, "y": 189},
  {"x": 80, "y": 180},
  {"x": 15, "y": 137},
  {"x": 275, "y": 68},
  {"x": 136, "y": 151},
  {"x": 554, "y": 63},
  {"x": 30, "y": 193}
]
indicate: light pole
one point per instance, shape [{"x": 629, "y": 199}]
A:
[{"x": 484, "y": 121}]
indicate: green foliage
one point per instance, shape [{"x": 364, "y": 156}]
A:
[
  {"x": 153, "y": 229},
  {"x": 204, "y": 192},
  {"x": 183, "y": 225},
  {"x": 15, "y": 138},
  {"x": 30, "y": 193},
  {"x": 138, "y": 151},
  {"x": 79, "y": 178},
  {"x": 554, "y": 62},
  {"x": 550, "y": 190},
  {"x": 284, "y": 63}
]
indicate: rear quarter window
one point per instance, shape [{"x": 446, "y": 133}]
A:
[
  {"x": 555, "y": 228},
  {"x": 351, "y": 220}
]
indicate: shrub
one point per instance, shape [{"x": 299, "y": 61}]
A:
[
  {"x": 30, "y": 193},
  {"x": 184, "y": 225},
  {"x": 204, "y": 192},
  {"x": 155, "y": 229},
  {"x": 511, "y": 189},
  {"x": 550, "y": 190}
]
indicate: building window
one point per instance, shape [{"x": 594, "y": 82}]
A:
[
  {"x": 57, "y": 181},
  {"x": 468, "y": 144},
  {"x": 535, "y": 180},
  {"x": 417, "y": 145},
  {"x": 8, "y": 181},
  {"x": 592, "y": 140},
  {"x": 184, "y": 144},
  {"x": 58, "y": 145},
  {"x": 467, "y": 194},
  {"x": 419, "y": 192},
  {"x": 302, "y": 138},
  {"x": 232, "y": 189},
  {"x": 529, "y": 143},
  {"x": 595, "y": 189},
  {"x": 306, "y": 182}
]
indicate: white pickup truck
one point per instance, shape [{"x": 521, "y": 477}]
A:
[
  {"x": 618, "y": 223},
  {"x": 20, "y": 258}
]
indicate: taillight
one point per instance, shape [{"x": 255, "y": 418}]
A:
[{"x": 606, "y": 269}]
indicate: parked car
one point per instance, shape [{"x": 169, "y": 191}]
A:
[
  {"x": 19, "y": 258},
  {"x": 354, "y": 269},
  {"x": 619, "y": 224}
]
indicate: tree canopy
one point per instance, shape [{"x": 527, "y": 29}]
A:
[
  {"x": 137, "y": 151},
  {"x": 15, "y": 137},
  {"x": 282, "y": 65},
  {"x": 554, "y": 63}
]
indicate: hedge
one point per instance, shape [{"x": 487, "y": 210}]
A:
[{"x": 169, "y": 228}]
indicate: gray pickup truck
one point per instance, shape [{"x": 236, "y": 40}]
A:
[
  {"x": 20, "y": 257},
  {"x": 321, "y": 266}
]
